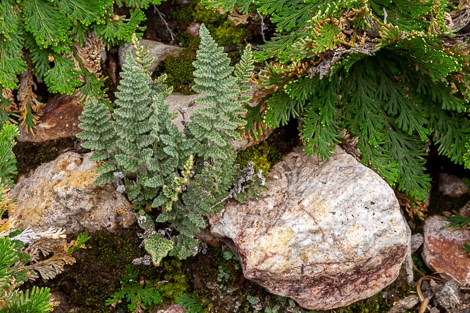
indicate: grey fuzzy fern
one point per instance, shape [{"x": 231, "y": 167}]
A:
[{"x": 182, "y": 176}]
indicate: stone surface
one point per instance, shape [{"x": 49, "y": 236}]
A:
[
  {"x": 59, "y": 119},
  {"x": 173, "y": 309},
  {"x": 158, "y": 52},
  {"x": 404, "y": 305},
  {"x": 452, "y": 186},
  {"x": 61, "y": 194},
  {"x": 326, "y": 234},
  {"x": 416, "y": 242},
  {"x": 443, "y": 250}
]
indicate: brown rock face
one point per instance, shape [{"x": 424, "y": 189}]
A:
[
  {"x": 58, "y": 120},
  {"x": 443, "y": 250},
  {"x": 325, "y": 234},
  {"x": 61, "y": 194}
]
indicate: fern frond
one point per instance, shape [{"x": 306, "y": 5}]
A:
[
  {"x": 85, "y": 12},
  {"x": 63, "y": 77},
  {"x": 44, "y": 20},
  {"x": 116, "y": 31},
  {"x": 34, "y": 300},
  {"x": 7, "y": 158},
  {"x": 11, "y": 42}
]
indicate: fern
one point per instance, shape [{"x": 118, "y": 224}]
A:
[
  {"x": 184, "y": 176},
  {"x": 190, "y": 303},
  {"x": 47, "y": 33},
  {"x": 7, "y": 158},
  {"x": 99, "y": 136},
  {"x": 137, "y": 296},
  {"x": 386, "y": 71}
]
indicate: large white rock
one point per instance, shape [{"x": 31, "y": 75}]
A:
[
  {"x": 61, "y": 194},
  {"x": 326, "y": 234}
]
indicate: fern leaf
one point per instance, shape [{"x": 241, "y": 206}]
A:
[
  {"x": 158, "y": 247},
  {"x": 63, "y": 77},
  {"x": 44, "y": 20},
  {"x": 85, "y": 12},
  {"x": 114, "y": 32},
  {"x": 11, "y": 41}
]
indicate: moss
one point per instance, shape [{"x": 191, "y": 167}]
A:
[
  {"x": 179, "y": 70},
  {"x": 98, "y": 271},
  {"x": 31, "y": 155},
  {"x": 264, "y": 156},
  {"x": 174, "y": 281}
]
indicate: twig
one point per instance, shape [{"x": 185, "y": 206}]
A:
[
  {"x": 164, "y": 22},
  {"x": 263, "y": 27}
]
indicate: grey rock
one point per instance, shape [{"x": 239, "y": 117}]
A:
[
  {"x": 403, "y": 305},
  {"x": 416, "y": 242},
  {"x": 452, "y": 186},
  {"x": 325, "y": 234},
  {"x": 448, "y": 296},
  {"x": 158, "y": 52},
  {"x": 61, "y": 194}
]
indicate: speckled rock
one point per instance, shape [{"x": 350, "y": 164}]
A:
[
  {"x": 452, "y": 186},
  {"x": 61, "y": 194},
  {"x": 158, "y": 52},
  {"x": 443, "y": 250},
  {"x": 325, "y": 234}
]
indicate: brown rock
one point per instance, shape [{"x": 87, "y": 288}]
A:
[
  {"x": 452, "y": 186},
  {"x": 58, "y": 120},
  {"x": 61, "y": 194},
  {"x": 443, "y": 250}
]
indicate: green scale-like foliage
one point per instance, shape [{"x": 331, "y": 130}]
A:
[
  {"x": 46, "y": 32},
  {"x": 13, "y": 300},
  {"x": 389, "y": 72},
  {"x": 184, "y": 176},
  {"x": 8, "y": 168}
]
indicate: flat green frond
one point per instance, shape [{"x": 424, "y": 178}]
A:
[
  {"x": 281, "y": 107},
  {"x": 243, "y": 6},
  {"x": 7, "y": 158},
  {"x": 31, "y": 300},
  {"x": 48, "y": 25},
  {"x": 115, "y": 32},
  {"x": 63, "y": 77},
  {"x": 85, "y": 12},
  {"x": 11, "y": 42}
]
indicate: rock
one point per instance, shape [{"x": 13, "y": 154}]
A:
[
  {"x": 59, "y": 119},
  {"x": 178, "y": 103},
  {"x": 186, "y": 103},
  {"x": 448, "y": 296},
  {"x": 326, "y": 234},
  {"x": 452, "y": 186},
  {"x": 416, "y": 242},
  {"x": 443, "y": 250},
  {"x": 61, "y": 194},
  {"x": 404, "y": 305},
  {"x": 158, "y": 52},
  {"x": 173, "y": 309}
]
